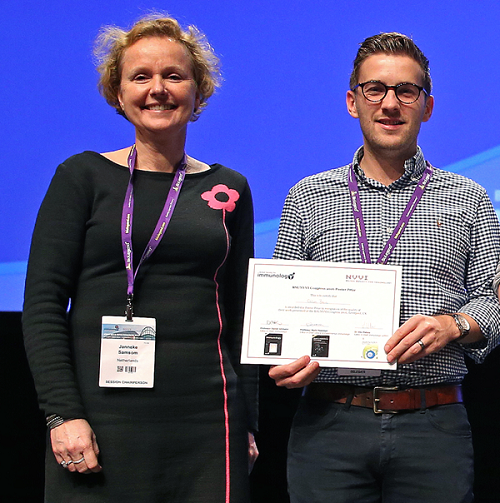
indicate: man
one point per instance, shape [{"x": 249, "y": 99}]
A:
[{"x": 415, "y": 445}]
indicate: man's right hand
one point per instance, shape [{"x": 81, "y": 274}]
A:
[{"x": 297, "y": 374}]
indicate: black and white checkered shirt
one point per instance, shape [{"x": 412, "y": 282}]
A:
[{"x": 449, "y": 253}]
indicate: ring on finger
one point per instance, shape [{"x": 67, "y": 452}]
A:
[
  {"x": 79, "y": 460},
  {"x": 63, "y": 463},
  {"x": 421, "y": 344}
]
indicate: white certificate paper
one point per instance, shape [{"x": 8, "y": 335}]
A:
[{"x": 341, "y": 315}]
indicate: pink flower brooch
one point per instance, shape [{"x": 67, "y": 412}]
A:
[{"x": 221, "y": 197}]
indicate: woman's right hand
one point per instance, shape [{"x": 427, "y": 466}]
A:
[{"x": 75, "y": 447}]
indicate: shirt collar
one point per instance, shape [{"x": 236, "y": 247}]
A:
[{"x": 414, "y": 166}]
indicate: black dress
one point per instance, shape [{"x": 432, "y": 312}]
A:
[{"x": 185, "y": 440}]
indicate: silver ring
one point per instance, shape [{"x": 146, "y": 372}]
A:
[
  {"x": 79, "y": 461},
  {"x": 63, "y": 463},
  {"x": 422, "y": 345}
]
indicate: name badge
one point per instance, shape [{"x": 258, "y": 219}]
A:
[
  {"x": 127, "y": 352},
  {"x": 358, "y": 372}
]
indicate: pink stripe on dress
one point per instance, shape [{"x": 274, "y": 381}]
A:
[{"x": 221, "y": 360}]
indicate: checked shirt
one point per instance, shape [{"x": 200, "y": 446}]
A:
[{"x": 449, "y": 253}]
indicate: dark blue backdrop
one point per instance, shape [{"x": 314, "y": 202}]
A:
[{"x": 279, "y": 116}]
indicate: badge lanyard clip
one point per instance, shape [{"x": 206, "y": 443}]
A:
[{"x": 129, "y": 310}]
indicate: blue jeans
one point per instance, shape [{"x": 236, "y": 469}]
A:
[{"x": 345, "y": 454}]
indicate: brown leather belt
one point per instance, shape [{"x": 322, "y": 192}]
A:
[{"x": 387, "y": 400}]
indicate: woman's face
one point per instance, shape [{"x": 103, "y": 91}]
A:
[{"x": 157, "y": 90}]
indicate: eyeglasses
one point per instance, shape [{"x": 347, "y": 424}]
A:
[{"x": 406, "y": 92}]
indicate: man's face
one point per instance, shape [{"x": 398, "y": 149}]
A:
[{"x": 390, "y": 128}]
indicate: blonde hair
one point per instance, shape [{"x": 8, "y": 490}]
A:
[{"x": 112, "y": 42}]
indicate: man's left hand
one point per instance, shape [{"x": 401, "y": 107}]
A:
[{"x": 420, "y": 336}]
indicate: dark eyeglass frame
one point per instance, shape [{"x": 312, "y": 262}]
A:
[{"x": 394, "y": 88}]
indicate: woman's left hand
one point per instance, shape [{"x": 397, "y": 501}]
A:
[
  {"x": 253, "y": 451},
  {"x": 75, "y": 446}
]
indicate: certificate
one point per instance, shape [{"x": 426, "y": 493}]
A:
[{"x": 341, "y": 315}]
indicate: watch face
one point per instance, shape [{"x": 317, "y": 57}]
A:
[{"x": 464, "y": 323}]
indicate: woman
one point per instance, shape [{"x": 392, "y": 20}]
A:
[{"x": 129, "y": 424}]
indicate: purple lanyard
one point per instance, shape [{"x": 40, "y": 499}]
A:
[
  {"x": 159, "y": 232},
  {"x": 400, "y": 227}
]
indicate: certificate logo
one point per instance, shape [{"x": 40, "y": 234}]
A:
[
  {"x": 272, "y": 274},
  {"x": 356, "y": 278},
  {"x": 370, "y": 352}
]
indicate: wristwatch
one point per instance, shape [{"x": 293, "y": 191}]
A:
[{"x": 462, "y": 324}]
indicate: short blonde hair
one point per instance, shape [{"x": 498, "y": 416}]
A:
[{"x": 112, "y": 42}]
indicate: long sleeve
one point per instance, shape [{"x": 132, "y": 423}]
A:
[
  {"x": 482, "y": 303},
  {"x": 54, "y": 265}
]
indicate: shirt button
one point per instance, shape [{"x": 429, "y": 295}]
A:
[
  {"x": 388, "y": 230},
  {"x": 388, "y": 194}
]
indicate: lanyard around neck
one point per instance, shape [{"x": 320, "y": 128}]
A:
[
  {"x": 401, "y": 225},
  {"x": 158, "y": 233}
]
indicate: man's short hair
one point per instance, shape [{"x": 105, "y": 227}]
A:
[{"x": 391, "y": 43}]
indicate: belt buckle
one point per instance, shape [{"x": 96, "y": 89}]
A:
[{"x": 376, "y": 398}]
